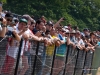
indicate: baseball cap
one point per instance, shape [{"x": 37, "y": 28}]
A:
[
  {"x": 73, "y": 31},
  {"x": 49, "y": 23},
  {"x": 85, "y": 29},
  {"x": 9, "y": 15},
  {"x": 23, "y": 20},
  {"x": 65, "y": 27}
]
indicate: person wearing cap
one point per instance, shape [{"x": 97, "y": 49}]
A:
[
  {"x": 9, "y": 18},
  {"x": 78, "y": 41},
  {"x": 13, "y": 47},
  {"x": 25, "y": 48},
  {"x": 49, "y": 26},
  {"x": 85, "y": 32},
  {"x": 61, "y": 51}
]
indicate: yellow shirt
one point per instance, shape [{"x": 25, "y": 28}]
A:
[{"x": 50, "y": 49}]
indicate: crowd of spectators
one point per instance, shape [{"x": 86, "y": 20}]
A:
[{"x": 48, "y": 33}]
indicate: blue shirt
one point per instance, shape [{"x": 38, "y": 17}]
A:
[{"x": 61, "y": 50}]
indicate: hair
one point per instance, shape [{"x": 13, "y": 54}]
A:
[
  {"x": 75, "y": 27},
  {"x": 8, "y": 14},
  {"x": 38, "y": 21},
  {"x": 91, "y": 34}
]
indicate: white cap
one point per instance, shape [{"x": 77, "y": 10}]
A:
[
  {"x": 66, "y": 27},
  {"x": 73, "y": 31},
  {"x": 67, "y": 31}
]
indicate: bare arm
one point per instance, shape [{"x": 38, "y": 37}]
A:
[
  {"x": 3, "y": 32},
  {"x": 17, "y": 37},
  {"x": 57, "y": 23}
]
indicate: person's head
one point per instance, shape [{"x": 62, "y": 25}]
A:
[
  {"x": 98, "y": 32},
  {"x": 16, "y": 20},
  {"x": 62, "y": 31},
  {"x": 42, "y": 17},
  {"x": 92, "y": 35},
  {"x": 32, "y": 26},
  {"x": 52, "y": 31},
  {"x": 44, "y": 29},
  {"x": 73, "y": 33},
  {"x": 86, "y": 31},
  {"x": 49, "y": 25},
  {"x": 9, "y": 18},
  {"x": 69, "y": 27},
  {"x": 39, "y": 24},
  {"x": 28, "y": 18},
  {"x": 22, "y": 24},
  {"x": 76, "y": 28},
  {"x": 78, "y": 34}
]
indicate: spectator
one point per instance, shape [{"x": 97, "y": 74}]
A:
[
  {"x": 50, "y": 51},
  {"x": 93, "y": 41},
  {"x": 79, "y": 42},
  {"x": 25, "y": 49},
  {"x": 85, "y": 32},
  {"x": 38, "y": 28},
  {"x": 32, "y": 26},
  {"x": 13, "y": 48},
  {"x": 60, "y": 52}
]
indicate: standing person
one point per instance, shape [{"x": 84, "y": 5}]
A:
[
  {"x": 78, "y": 41},
  {"x": 50, "y": 51},
  {"x": 60, "y": 52},
  {"x": 13, "y": 47},
  {"x": 25, "y": 47}
]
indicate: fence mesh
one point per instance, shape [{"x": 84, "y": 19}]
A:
[{"x": 42, "y": 60}]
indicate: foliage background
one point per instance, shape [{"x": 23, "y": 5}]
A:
[{"x": 81, "y": 13}]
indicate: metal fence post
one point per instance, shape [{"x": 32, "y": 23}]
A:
[
  {"x": 18, "y": 57},
  {"x": 66, "y": 59},
  {"x": 35, "y": 58},
  {"x": 53, "y": 61},
  {"x": 76, "y": 62}
]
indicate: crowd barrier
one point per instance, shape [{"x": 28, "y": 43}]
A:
[{"x": 76, "y": 62}]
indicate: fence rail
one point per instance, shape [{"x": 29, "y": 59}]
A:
[{"x": 75, "y": 62}]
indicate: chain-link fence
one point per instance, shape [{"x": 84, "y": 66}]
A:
[{"x": 43, "y": 60}]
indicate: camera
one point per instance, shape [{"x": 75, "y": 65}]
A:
[{"x": 43, "y": 34}]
